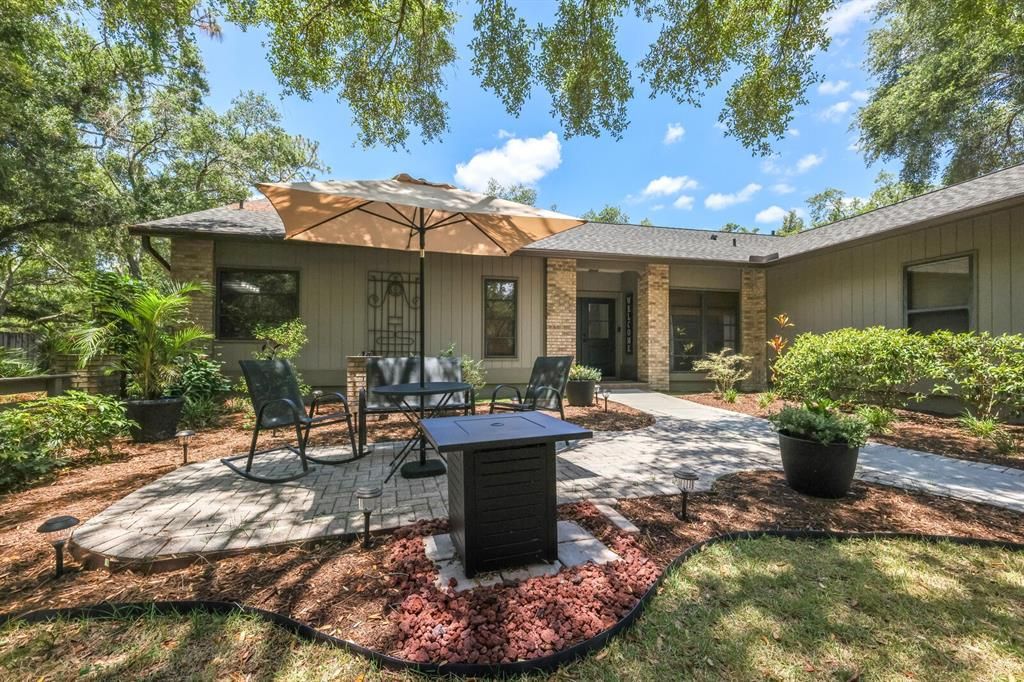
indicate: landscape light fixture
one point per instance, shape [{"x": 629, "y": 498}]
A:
[
  {"x": 368, "y": 497},
  {"x": 56, "y": 531},
  {"x": 687, "y": 481},
  {"x": 184, "y": 438},
  {"x": 604, "y": 394}
]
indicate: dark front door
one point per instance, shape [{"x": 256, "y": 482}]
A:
[{"x": 595, "y": 334}]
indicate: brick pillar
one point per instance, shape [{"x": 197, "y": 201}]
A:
[
  {"x": 754, "y": 326},
  {"x": 355, "y": 379},
  {"x": 560, "y": 307},
  {"x": 192, "y": 261},
  {"x": 652, "y": 327},
  {"x": 95, "y": 377}
]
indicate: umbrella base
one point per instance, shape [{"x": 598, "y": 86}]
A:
[{"x": 431, "y": 467}]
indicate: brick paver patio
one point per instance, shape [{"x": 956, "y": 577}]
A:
[{"x": 205, "y": 508}]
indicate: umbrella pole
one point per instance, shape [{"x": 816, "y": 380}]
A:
[{"x": 435, "y": 467}]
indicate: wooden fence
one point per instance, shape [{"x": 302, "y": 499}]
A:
[{"x": 28, "y": 342}]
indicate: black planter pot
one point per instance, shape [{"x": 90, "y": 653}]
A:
[
  {"x": 156, "y": 419},
  {"x": 818, "y": 470},
  {"x": 580, "y": 393}
]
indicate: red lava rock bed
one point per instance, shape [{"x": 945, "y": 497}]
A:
[
  {"x": 924, "y": 431},
  {"x": 385, "y": 598}
]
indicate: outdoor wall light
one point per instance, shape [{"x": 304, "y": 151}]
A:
[
  {"x": 368, "y": 497},
  {"x": 184, "y": 438},
  {"x": 687, "y": 481},
  {"x": 56, "y": 531},
  {"x": 604, "y": 394}
]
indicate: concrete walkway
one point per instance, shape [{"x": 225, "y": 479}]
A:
[{"x": 206, "y": 509}]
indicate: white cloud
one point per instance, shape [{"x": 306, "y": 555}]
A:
[
  {"x": 504, "y": 134},
  {"x": 718, "y": 201},
  {"x": 772, "y": 214},
  {"x": 808, "y": 162},
  {"x": 854, "y": 145},
  {"x": 833, "y": 87},
  {"x": 665, "y": 185},
  {"x": 720, "y": 125},
  {"x": 844, "y": 17},
  {"x": 657, "y": 207},
  {"x": 794, "y": 132},
  {"x": 860, "y": 95},
  {"x": 518, "y": 161},
  {"x": 783, "y": 188},
  {"x": 684, "y": 202},
  {"x": 673, "y": 133},
  {"x": 837, "y": 111}
]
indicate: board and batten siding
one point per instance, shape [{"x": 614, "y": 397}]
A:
[
  {"x": 862, "y": 285},
  {"x": 332, "y": 303}
]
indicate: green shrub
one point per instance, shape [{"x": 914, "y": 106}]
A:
[
  {"x": 767, "y": 399},
  {"x": 1005, "y": 442},
  {"x": 823, "y": 425},
  {"x": 36, "y": 437},
  {"x": 725, "y": 368},
  {"x": 584, "y": 373},
  {"x": 202, "y": 384},
  {"x": 987, "y": 371},
  {"x": 473, "y": 372},
  {"x": 879, "y": 419},
  {"x": 857, "y": 366},
  {"x": 977, "y": 427},
  {"x": 730, "y": 395}
]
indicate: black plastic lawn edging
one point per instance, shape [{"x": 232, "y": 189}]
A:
[{"x": 543, "y": 664}]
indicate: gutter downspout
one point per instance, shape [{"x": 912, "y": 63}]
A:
[{"x": 147, "y": 246}]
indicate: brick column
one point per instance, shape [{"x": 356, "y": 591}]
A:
[
  {"x": 754, "y": 326},
  {"x": 652, "y": 330},
  {"x": 355, "y": 379},
  {"x": 192, "y": 261},
  {"x": 560, "y": 307},
  {"x": 94, "y": 378}
]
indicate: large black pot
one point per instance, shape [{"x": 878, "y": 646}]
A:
[
  {"x": 580, "y": 393},
  {"x": 818, "y": 470},
  {"x": 155, "y": 419}
]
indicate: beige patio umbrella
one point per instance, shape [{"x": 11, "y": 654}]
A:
[{"x": 409, "y": 214}]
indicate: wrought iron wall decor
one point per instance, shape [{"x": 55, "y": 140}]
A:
[{"x": 392, "y": 307}]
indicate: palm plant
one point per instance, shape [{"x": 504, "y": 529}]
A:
[{"x": 150, "y": 333}]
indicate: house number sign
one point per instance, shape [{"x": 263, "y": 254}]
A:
[{"x": 629, "y": 324}]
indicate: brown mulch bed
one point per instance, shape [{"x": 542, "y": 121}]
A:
[
  {"x": 385, "y": 597},
  {"x": 923, "y": 431}
]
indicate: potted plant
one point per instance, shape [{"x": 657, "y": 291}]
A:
[
  {"x": 580, "y": 389},
  {"x": 150, "y": 333},
  {"x": 819, "y": 448}
]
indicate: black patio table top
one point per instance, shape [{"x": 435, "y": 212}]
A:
[{"x": 473, "y": 432}]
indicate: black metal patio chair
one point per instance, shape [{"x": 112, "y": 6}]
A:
[
  {"x": 545, "y": 390},
  {"x": 277, "y": 401}
]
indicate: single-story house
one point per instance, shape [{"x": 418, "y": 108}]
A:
[{"x": 642, "y": 303}]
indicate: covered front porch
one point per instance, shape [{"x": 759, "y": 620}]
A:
[{"x": 645, "y": 323}]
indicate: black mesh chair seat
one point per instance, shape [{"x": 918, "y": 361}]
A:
[
  {"x": 277, "y": 402},
  {"x": 543, "y": 392}
]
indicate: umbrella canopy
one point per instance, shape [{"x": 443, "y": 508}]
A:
[{"x": 394, "y": 214}]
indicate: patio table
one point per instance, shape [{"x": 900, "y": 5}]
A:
[
  {"x": 501, "y": 485},
  {"x": 400, "y": 394}
]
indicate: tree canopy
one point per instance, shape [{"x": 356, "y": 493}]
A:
[
  {"x": 831, "y": 204},
  {"x": 608, "y": 214},
  {"x": 522, "y": 194},
  {"x": 950, "y": 95}
]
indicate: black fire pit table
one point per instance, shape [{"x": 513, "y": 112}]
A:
[
  {"x": 501, "y": 485},
  {"x": 415, "y": 411}
]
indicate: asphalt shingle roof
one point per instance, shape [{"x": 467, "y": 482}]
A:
[{"x": 258, "y": 220}]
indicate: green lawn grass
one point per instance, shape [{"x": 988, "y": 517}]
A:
[{"x": 745, "y": 610}]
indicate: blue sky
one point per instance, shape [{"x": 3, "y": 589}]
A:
[{"x": 673, "y": 165}]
